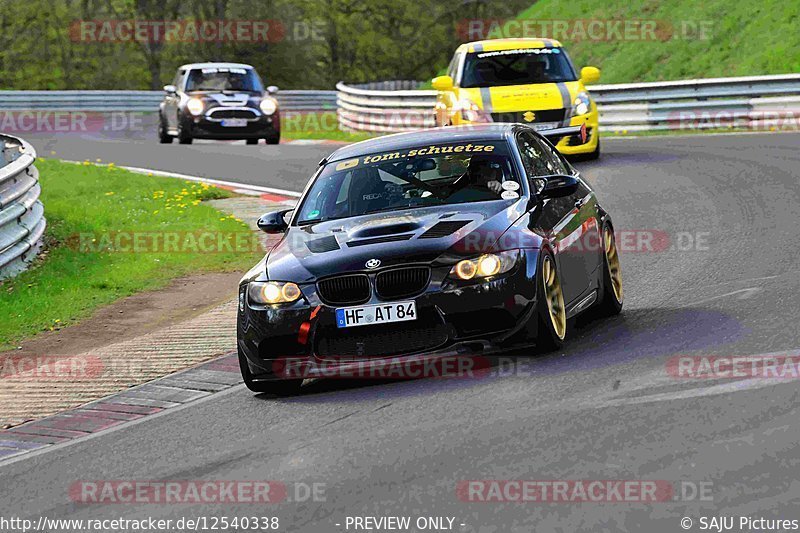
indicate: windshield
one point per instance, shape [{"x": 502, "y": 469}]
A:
[
  {"x": 423, "y": 176},
  {"x": 517, "y": 67},
  {"x": 223, "y": 79}
]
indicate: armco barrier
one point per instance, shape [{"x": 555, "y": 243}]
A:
[
  {"x": 758, "y": 102},
  {"x": 22, "y": 220},
  {"x": 141, "y": 101}
]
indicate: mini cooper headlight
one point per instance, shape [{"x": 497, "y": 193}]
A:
[
  {"x": 195, "y": 106},
  {"x": 273, "y": 292},
  {"x": 268, "y": 106},
  {"x": 582, "y": 104},
  {"x": 484, "y": 266}
]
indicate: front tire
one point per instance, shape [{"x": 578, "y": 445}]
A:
[
  {"x": 163, "y": 136},
  {"x": 274, "y": 138},
  {"x": 251, "y": 141},
  {"x": 183, "y": 137},
  {"x": 552, "y": 327},
  {"x": 286, "y": 387}
]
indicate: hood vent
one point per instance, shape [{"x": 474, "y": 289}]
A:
[
  {"x": 443, "y": 229},
  {"x": 377, "y": 240},
  {"x": 325, "y": 244}
]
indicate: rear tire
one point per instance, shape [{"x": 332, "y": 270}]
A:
[
  {"x": 552, "y": 326},
  {"x": 611, "y": 293},
  {"x": 286, "y": 387}
]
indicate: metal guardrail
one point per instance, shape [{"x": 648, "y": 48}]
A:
[
  {"x": 141, "y": 101},
  {"x": 752, "y": 102},
  {"x": 22, "y": 219}
]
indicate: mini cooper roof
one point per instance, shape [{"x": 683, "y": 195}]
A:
[
  {"x": 189, "y": 66},
  {"x": 411, "y": 139}
]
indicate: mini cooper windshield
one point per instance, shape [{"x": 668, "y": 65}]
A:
[
  {"x": 517, "y": 67},
  {"x": 415, "y": 177},
  {"x": 223, "y": 79}
]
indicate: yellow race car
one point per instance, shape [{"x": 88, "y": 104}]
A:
[{"x": 531, "y": 81}]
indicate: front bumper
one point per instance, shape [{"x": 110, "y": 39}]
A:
[
  {"x": 452, "y": 320},
  {"x": 201, "y": 127},
  {"x": 573, "y": 145}
]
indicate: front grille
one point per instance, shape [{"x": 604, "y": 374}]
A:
[
  {"x": 344, "y": 290},
  {"x": 376, "y": 240},
  {"x": 219, "y": 114},
  {"x": 443, "y": 229},
  {"x": 384, "y": 341},
  {"x": 402, "y": 282},
  {"x": 531, "y": 117}
]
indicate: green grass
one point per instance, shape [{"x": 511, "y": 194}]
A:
[
  {"x": 71, "y": 280},
  {"x": 323, "y": 125},
  {"x": 744, "y": 38}
]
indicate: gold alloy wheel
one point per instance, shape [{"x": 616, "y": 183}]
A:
[
  {"x": 612, "y": 261},
  {"x": 554, "y": 297}
]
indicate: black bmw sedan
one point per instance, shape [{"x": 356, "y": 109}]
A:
[{"x": 449, "y": 242}]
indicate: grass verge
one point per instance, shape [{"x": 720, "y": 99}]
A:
[{"x": 74, "y": 276}]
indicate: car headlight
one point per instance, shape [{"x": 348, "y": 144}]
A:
[
  {"x": 195, "y": 106},
  {"x": 273, "y": 292},
  {"x": 268, "y": 106},
  {"x": 582, "y": 104},
  {"x": 469, "y": 109},
  {"x": 484, "y": 266}
]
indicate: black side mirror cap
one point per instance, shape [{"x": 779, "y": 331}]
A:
[
  {"x": 274, "y": 221},
  {"x": 559, "y": 185}
]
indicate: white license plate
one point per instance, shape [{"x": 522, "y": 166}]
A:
[
  {"x": 234, "y": 122},
  {"x": 347, "y": 317},
  {"x": 541, "y": 126}
]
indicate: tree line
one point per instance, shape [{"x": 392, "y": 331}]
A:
[{"x": 308, "y": 44}]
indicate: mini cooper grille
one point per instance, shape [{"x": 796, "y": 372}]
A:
[
  {"x": 344, "y": 290},
  {"x": 219, "y": 114},
  {"x": 443, "y": 229},
  {"x": 400, "y": 282}
]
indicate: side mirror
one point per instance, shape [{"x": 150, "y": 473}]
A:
[
  {"x": 559, "y": 186},
  {"x": 590, "y": 74},
  {"x": 272, "y": 89},
  {"x": 274, "y": 221},
  {"x": 170, "y": 89},
  {"x": 442, "y": 83}
]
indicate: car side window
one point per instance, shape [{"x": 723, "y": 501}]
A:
[
  {"x": 176, "y": 81},
  {"x": 452, "y": 68},
  {"x": 539, "y": 158}
]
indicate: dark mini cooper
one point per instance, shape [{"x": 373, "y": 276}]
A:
[
  {"x": 448, "y": 242},
  {"x": 218, "y": 101}
]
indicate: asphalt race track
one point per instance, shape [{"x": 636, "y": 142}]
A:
[{"x": 720, "y": 280}]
